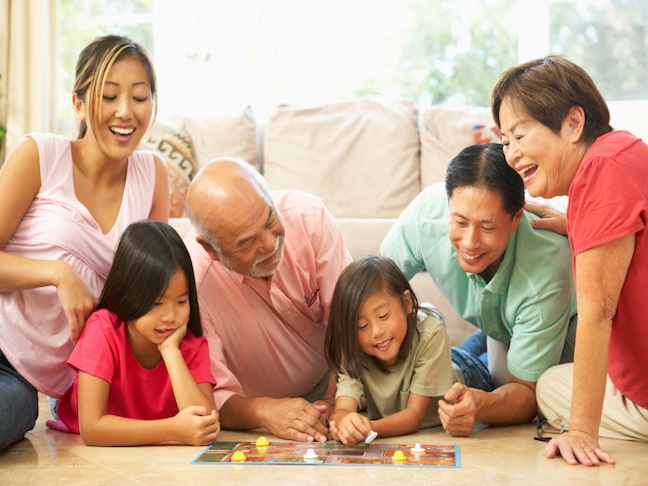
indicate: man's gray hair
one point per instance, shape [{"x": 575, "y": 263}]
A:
[{"x": 200, "y": 228}]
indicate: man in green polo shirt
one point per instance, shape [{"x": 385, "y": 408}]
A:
[{"x": 513, "y": 282}]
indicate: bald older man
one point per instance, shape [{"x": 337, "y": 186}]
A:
[{"x": 266, "y": 264}]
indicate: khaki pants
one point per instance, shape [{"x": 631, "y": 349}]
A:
[{"x": 621, "y": 418}]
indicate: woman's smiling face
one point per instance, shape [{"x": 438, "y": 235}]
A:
[
  {"x": 538, "y": 154},
  {"x": 125, "y": 111}
]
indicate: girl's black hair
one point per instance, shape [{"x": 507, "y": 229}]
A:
[
  {"x": 148, "y": 255},
  {"x": 357, "y": 282}
]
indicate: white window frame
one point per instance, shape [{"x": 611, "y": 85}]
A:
[{"x": 533, "y": 42}]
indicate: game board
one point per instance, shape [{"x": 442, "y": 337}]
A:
[{"x": 330, "y": 453}]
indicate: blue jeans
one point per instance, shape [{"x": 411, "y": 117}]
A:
[
  {"x": 471, "y": 358},
  {"x": 18, "y": 404}
]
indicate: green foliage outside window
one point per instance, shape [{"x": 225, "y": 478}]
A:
[
  {"x": 454, "y": 51},
  {"x": 607, "y": 38},
  {"x": 438, "y": 51}
]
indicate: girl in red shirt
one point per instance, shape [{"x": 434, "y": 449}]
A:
[{"x": 142, "y": 364}]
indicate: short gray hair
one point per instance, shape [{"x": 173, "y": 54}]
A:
[{"x": 201, "y": 230}]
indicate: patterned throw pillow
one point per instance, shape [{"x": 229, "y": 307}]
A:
[
  {"x": 486, "y": 134},
  {"x": 175, "y": 147}
]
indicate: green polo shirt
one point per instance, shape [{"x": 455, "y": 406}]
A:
[{"x": 528, "y": 303}]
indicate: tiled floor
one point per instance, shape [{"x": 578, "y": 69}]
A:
[{"x": 493, "y": 455}]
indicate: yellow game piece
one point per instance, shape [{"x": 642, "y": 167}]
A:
[
  {"x": 238, "y": 456},
  {"x": 398, "y": 456},
  {"x": 262, "y": 442}
]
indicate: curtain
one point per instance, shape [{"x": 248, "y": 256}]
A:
[{"x": 28, "y": 68}]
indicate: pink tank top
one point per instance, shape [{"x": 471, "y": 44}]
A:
[{"x": 34, "y": 333}]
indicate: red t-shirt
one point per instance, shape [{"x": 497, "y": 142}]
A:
[
  {"x": 135, "y": 392},
  {"x": 608, "y": 199}
]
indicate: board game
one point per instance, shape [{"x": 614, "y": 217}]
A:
[{"x": 263, "y": 452}]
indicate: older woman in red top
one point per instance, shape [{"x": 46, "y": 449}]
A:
[{"x": 556, "y": 134}]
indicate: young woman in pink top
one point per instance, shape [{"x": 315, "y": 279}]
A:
[
  {"x": 63, "y": 207},
  {"x": 142, "y": 364}
]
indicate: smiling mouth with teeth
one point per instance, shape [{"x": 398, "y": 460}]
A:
[
  {"x": 383, "y": 344},
  {"x": 471, "y": 257},
  {"x": 122, "y": 131},
  {"x": 528, "y": 171}
]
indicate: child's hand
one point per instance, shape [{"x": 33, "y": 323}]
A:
[
  {"x": 194, "y": 426},
  {"x": 353, "y": 428},
  {"x": 174, "y": 339},
  {"x": 333, "y": 430}
]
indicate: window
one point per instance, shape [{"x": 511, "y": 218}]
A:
[
  {"x": 607, "y": 38},
  {"x": 216, "y": 55}
]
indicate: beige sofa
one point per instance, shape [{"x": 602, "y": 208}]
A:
[{"x": 365, "y": 158}]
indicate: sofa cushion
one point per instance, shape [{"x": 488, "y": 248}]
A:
[
  {"x": 228, "y": 135},
  {"x": 445, "y": 130},
  {"x": 361, "y": 157},
  {"x": 174, "y": 145}
]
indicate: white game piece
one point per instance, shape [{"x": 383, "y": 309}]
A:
[
  {"x": 417, "y": 449},
  {"x": 310, "y": 454},
  {"x": 372, "y": 435}
]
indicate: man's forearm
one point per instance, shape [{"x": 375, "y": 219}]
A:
[
  {"x": 510, "y": 404},
  {"x": 242, "y": 413}
]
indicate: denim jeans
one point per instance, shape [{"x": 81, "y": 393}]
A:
[
  {"x": 475, "y": 344},
  {"x": 18, "y": 404},
  {"x": 471, "y": 358}
]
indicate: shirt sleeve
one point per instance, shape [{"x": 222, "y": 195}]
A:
[
  {"x": 228, "y": 385},
  {"x": 432, "y": 374},
  {"x": 604, "y": 205},
  {"x": 96, "y": 352},
  {"x": 349, "y": 387},
  {"x": 539, "y": 334},
  {"x": 401, "y": 243},
  {"x": 197, "y": 359}
]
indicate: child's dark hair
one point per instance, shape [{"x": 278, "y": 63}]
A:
[
  {"x": 357, "y": 282},
  {"x": 148, "y": 255}
]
